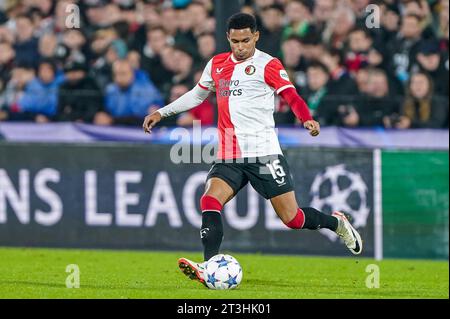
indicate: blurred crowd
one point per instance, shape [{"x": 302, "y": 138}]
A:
[{"x": 125, "y": 59}]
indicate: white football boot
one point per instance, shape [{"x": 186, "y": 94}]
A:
[
  {"x": 349, "y": 235},
  {"x": 192, "y": 269}
]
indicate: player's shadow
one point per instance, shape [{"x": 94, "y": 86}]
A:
[
  {"x": 59, "y": 285},
  {"x": 30, "y": 283},
  {"x": 265, "y": 283}
]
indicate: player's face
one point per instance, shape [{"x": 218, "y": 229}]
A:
[{"x": 242, "y": 43}]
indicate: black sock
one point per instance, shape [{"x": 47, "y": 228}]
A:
[
  {"x": 316, "y": 220},
  {"x": 211, "y": 233}
]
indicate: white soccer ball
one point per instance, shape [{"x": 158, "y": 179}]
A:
[{"x": 222, "y": 272}]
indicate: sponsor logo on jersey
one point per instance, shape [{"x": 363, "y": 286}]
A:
[
  {"x": 249, "y": 70},
  {"x": 229, "y": 88},
  {"x": 218, "y": 71},
  {"x": 284, "y": 75},
  {"x": 228, "y": 93},
  {"x": 228, "y": 83}
]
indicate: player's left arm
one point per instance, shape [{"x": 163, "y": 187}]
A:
[
  {"x": 276, "y": 76},
  {"x": 301, "y": 110}
]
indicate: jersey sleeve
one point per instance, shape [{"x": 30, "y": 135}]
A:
[
  {"x": 276, "y": 76},
  {"x": 206, "y": 81}
]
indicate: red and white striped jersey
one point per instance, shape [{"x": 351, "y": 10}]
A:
[{"x": 245, "y": 93}]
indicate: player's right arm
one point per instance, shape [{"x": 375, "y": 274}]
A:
[{"x": 191, "y": 99}]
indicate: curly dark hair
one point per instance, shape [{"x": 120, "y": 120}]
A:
[{"x": 241, "y": 21}]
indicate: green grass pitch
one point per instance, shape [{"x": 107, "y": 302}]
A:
[{"x": 41, "y": 273}]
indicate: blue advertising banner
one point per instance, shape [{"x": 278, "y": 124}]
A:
[{"x": 137, "y": 196}]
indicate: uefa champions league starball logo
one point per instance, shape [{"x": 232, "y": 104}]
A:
[{"x": 338, "y": 189}]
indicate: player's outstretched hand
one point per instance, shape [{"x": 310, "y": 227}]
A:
[
  {"x": 313, "y": 127},
  {"x": 150, "y": 121}
]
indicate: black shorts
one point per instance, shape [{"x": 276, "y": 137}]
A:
[{"x": 269, "y": 175}]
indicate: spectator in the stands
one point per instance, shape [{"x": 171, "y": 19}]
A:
[
  {"x": 171, "y": 65},
  {"x": 135, "y": 60},
  {"x": 100, "y": 65},
  {"x": 169, "y": 21},
  {"x": 116, "y": 50},
  {"x": 129, "y": 19},
  {"x": 150, "y": 18},
  {"x": 362, "y": 79},
  {"x": 21, "y": 75},
  {"x": 295, "y": 65},
  {"x": 199, "y": 13},
  {"x": 337, "y": 28},
  {"x": 430, "y": 59},
  {"x": 6, "y": 34},
  {"x": 129, "y": 98},
  {"x": 361, "y": 50},
  {"x": 442, "y": 24},
  {"x": 359, "y": 7},
  {"x": 317, "y": 90},
  {"x": 421, "y": 9},
  {"x": 7, "y": 54},
  {"x": 271, "y": 30},
  {"x": 203, "y": 112},
  {"x": 101, "y": 14},
  {"x": 259, "y": 4},
  {"x": 26, "y": 45},
  {"x": 323, "y": 12},
  {"x": 403, "y": 49},
  {"x": 185, "y": 36},
  {"x": 156, "y": 40},
  {"x": 206, "y": 46},
  {"x": 41, "y": 14},
  {"x": 294, "y": 61},
  {"x": 390, "y": 22},
  {"x": 184, "y": 63},
  {"x": 47, "y": 45},
  {"x": 3, "y": 17},
  {"x": 40, "y": 99},
  {"x": 341, "y": 84},
  {"x": 79, "y": 97},
  {"x": 328, "y": 108},
  {"x": 312, "y": 46},
  {"x": 76, "y": 43},
  {"x": 151, "y": 14},
  {"x": 166, "y": 42},
  {"x": 422, "y": 109},
  {"x": 377, "y": 105},
  {"x": 299, "y": 17},
  {"x": 360, "y": 45},
  {"x": 50, "y": 48},
  {"x": 45, "y": 6}
]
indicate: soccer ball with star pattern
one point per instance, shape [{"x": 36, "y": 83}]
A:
[{"x": 222, "y": 272}]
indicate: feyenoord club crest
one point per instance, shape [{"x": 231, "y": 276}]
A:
[{"x": 249, "y": 70}]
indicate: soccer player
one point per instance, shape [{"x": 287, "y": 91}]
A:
[{"x": 245, "y": 81}]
